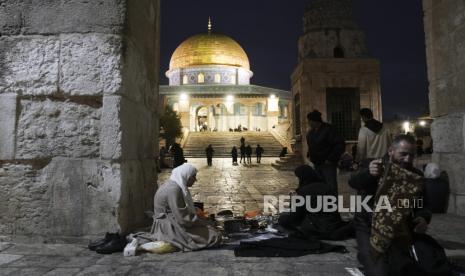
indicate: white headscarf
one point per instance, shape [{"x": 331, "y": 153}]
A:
[
  {"x": 180, "y": 175},
  {"x": 432, "y": 171}
]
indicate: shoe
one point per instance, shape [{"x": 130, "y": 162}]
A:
[
  {"x": 116, "y": 244},
  {"x": 93, "y": 245}
]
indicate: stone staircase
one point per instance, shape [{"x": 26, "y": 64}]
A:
[
  {"x": 222, "y": 143},
  {"x": 289, "y": 162}
]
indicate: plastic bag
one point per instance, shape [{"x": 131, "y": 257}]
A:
[{"x": 158, "y": 247}]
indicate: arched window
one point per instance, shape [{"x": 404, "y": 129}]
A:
[
  {"x": 201, "y": 78},
  {"x": 283, "y": 109},
  {"x": 217, "y": 78},
  {"x": 184, "y": 79},
  {"x": 233, "y": 79},
  {"x": 237, "y": 109},
  {"x": 240, "y": 109},
  {"x": 338, "y": 52},
  {"x": 260, "y": 109}
]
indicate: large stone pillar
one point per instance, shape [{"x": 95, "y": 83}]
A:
[
  {"x": 445, "y": 29},
  {"x": 78, "y": 101}
]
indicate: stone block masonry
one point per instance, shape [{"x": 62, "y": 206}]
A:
[
  {"x": 78, "y": 115},
  {"x": 444, "y": 29}
]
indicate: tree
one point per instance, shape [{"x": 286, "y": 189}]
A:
[{"x": 170, "y": 126}]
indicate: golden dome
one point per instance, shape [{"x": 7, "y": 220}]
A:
[{"x": 209, "y": 49}]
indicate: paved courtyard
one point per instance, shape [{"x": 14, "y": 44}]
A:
[
  {"x": 221, "y": 186},
  {"x": 238, "y": 188}
]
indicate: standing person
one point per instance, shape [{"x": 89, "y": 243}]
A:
[
  {"x": 234, "y": 155},
  {"x": 209, "y": 151},
  {"x": 377, "y": 249},
  {"x": 242, "y": 141},
  {"x": 373, "y": 138},
  {"x": 248, "y": 152},
  {"x": 178, "y": 155},
  {"x": 242, "y": 148},
  {"x": 259, "y": 151},
  {"x": 325, "y": 147}
]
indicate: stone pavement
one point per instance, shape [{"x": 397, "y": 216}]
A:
[
  {"x": 238, "y": 188},
  {"x": 60, "y": 259},
  {"x": 221, "y": 186}
]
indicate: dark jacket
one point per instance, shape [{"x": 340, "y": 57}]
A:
[
  {"x": 324, "y": 144},
  {"x": 320, "y": 225},
  {"x": 178, "y": 155},
  {"x": 259, "y": 151},
  {"x": 242, "y": 148},
  {"x": 234, "y": 152},
  {"x": 248, "y": 150},
  {"x": 209, "y": 151},
  {"x": 374, "y": 125},
  {"x": 366, "y": 184}
]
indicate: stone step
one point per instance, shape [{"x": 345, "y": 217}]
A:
[
  {"x": 286, "y": 167},
  {"x": 288, "y": 163},
  {"x": 222, "y": 143}
]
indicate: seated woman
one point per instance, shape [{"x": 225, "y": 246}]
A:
[
  {"x": 321, "y": 225},
  {"x": 175, "y": 219}
]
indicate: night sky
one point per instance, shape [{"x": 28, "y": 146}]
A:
[{"x": 268, "y": 32}]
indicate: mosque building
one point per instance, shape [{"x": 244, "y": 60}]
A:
[{"x": 209, "y": 86}]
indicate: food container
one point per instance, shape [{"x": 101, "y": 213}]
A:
[
  {"x": 199, "y": 205},
  {"x": 233, "y": 225}
]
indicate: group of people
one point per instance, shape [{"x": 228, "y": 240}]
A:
[
  {"x": 245, "y": 153},
  {"x": 384, "y": 241},
  {"x": 239, "y": 128},
  {"x": 326, "y": 146}
]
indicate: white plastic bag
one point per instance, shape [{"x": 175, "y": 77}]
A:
[
  {"x": 158, "y": 247},
  {"x": 131, "y": 248}
]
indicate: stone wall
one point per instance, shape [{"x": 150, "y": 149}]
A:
[
  {"x": 445, "y": 40},
  {"x": 78, "y": 121},
  {"x": 312, "y": 77},
  {"x": 329, "y": 24}
]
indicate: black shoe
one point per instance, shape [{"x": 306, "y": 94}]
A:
[
  {"x": 93, "y": 245},
  {"x": 116, "y": 244}
]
